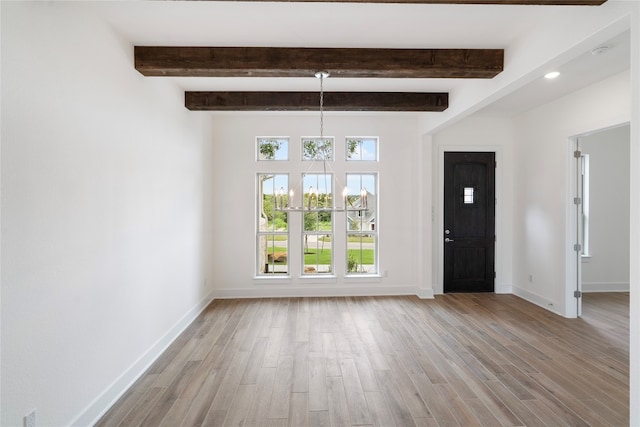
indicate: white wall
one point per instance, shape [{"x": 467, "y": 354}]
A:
[
  {"x": 541, "y": 186},
  {"x": 478, "y": 133},
  {"x": 634, "y": 303},
  {"x": 607, "y": 267},
  {"x": 104, "y": 218},
  {"x": 235, "y": 171}
]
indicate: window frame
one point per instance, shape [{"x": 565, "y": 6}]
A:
[
  {"x": 361, "y": 138},
  {"x": 278, "y": 138},
  {"x": 295, "y": 169},
  {"x": 304, "y": 233},
  {"x": 262, "y": 252},
  {"x": 332, "y": 156},
  {"x": 586, "y": 247}
]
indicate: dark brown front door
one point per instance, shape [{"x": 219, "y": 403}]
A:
[{"x": 469, "y": 222}]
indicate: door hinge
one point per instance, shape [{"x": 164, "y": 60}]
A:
[
  {"x": 577, "y": 294},
  {"x": 494, "y": 275},
  {"x": 577, "y": 247},
  {"x": 577, "y": 154},
  {"x": 577, "y": 200}
]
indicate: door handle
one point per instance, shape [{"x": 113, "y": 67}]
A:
[{"x": 447, "y": 240}]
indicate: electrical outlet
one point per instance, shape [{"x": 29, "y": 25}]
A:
[{"x": 30, "y": 419}]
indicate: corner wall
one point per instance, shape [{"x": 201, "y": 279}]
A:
[
  {"x": 634, "y": 315},
  {"x": 542, "y": 186},
  {"x": 105, "y": 233}
]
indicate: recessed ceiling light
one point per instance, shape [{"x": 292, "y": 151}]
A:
[
  {"x": 552, "y": 75},
  {"x": 599, "y": 50}
]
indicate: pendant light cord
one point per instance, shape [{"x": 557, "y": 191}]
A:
[{"x": 322, "y": 108}]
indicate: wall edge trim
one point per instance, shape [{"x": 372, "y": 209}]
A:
[
  {"x": 299, "y": 292},
  {"x": 104, "y": 401},
  {"x": 538, "y": 300}
]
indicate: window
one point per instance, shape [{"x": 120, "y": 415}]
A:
[
  {"x": 585, "y": 206},
  {"x": 273, "y": 225},
  {"x": 317, "y": 149},
  {"x": 273, "y": 148},
  {"x": 467, "y": 196},
  {"x": 298, "y": 206},
  {"x": 362, "y": 232},
  {"x": 362, "y": 149},
  {"x": 317, "y": 233}
]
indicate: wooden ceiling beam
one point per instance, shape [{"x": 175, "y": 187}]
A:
[
  {"x": 310, "y": 101},
  {"x": 305, "y": 62}
]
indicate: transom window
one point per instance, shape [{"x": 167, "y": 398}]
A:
[
  {"x": 317, "y": 149},
  {"x": 362, "y": 149},
  {"x": 276, "y": 148}
]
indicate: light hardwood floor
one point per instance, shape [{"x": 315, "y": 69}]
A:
[{"x": 456, "y": 360}]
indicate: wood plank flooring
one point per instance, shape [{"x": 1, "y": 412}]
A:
[{"x": 456, "y": 360}]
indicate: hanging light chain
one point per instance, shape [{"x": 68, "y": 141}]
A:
[
  {"x": 322, "y": 108},
  {"x": 328, "y": 199},
  {"x": 321, "y": 75}
]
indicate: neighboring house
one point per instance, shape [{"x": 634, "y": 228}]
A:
[{"x": 366, "y": 218}]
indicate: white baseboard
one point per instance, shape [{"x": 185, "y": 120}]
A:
[
  {"x": 537, "y": 300},
  {"x": 605, "y": 287},
  {"x": 104, "y": 401},
  {"x": 425, "y": 293},
  {"x": 503, "y": 289},
  {"x": 270, "y": 291}
]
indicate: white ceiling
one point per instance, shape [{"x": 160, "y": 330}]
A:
[
  {"x": 580, "y": 72},
  {"x": 513, "y": 28}
]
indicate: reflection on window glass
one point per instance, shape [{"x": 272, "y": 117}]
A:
[
  {"x": 273, "y": 228},
  {"x": 468, "y": 196},
  {"x": 362, "y": 149},
  {"x": 273, "y": 148}
]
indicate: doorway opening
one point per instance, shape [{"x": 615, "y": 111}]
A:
[{"x": 600, "y": 212}]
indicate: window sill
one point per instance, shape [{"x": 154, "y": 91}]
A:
[
  {"x": 273, "y": 279},
  {"x": 362, "y": 278}
]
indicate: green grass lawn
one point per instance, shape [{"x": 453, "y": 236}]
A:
[
  {"x": 320, "y": 256},
  {"x": 351, "y": 239},
  {"x": 323, "y": 256},
  {"x": 367, "y": 256}
]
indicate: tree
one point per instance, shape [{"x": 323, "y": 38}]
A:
[
  {"x": 352, "y": 146},
  {"x": 317, "y": 149},
  {"x": 268, "y": 148}
]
